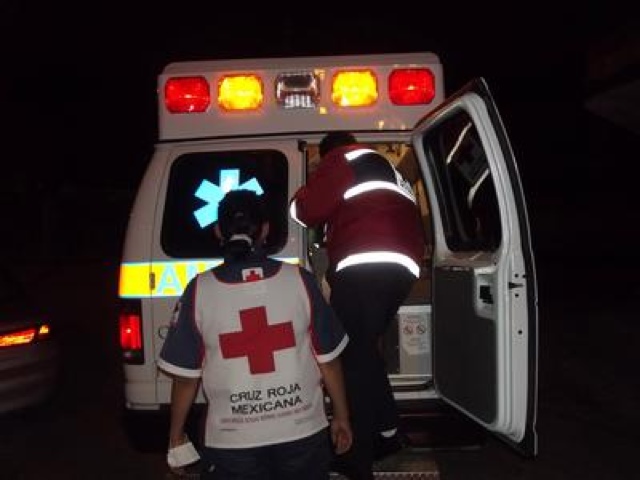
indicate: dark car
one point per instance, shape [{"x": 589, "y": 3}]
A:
[{"x": 29, "y": 351}]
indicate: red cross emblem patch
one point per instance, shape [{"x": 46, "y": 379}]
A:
[
  {"x": 258, "y": 340},
  {"x": 252, "y": 274}
]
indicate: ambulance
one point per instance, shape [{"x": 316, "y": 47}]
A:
[{"x": 466, "y": 338}]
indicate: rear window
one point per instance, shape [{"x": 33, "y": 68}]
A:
[{"x": 197, "y": 183}]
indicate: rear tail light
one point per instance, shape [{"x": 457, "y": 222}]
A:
[
  {"x": 187, "y": 94},
  {"x": 24, "y": 336},
  {"x": 411, "y": 86},
  {"x": 130, "y": 332}
]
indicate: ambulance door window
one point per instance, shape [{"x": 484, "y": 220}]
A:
[
  {"x": 471, "y": 217},
  {"x": 197, "y": 183}
]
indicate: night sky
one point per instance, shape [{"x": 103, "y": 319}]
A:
[{"x": 78, "y": 83}]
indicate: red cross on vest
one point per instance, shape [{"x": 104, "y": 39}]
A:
[
  {"x": 252, "y": 274},
  {"x": 257, "y": 340}
]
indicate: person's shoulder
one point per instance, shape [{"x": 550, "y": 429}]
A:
[
  {"x": 283, "y": 266},
  {"x": 345, "y": 149},
  {"x": 192, "y": 285},
  {"x": 339, "y": 154}
]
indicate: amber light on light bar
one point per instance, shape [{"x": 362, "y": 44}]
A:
[
  {"x": 354, "y": 88},
  {"x": 240, "y": 92},
  {"x": 411, "y": 86},
  {"x": 187, "y": 94}
]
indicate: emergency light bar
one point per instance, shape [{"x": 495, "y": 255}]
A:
[
  {"x": 299, "y": 90},
  {"x": 375, "y": 87}
]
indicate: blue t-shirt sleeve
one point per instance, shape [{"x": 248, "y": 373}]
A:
[
  {"x": 183, "y": 349},
  {"x": 328, "y": 334}
]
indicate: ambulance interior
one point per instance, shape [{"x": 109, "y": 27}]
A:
[{"x": 407, "y": 344}]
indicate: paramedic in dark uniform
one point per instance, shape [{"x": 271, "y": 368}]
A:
[
  {"x": 375, "y": 243},
  {"x": 260, "y": 336}
]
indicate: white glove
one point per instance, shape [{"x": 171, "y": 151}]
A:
[{"x": 182, "y": 455}]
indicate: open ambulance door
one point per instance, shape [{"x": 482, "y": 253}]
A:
[{"x": 484, "y": 304}]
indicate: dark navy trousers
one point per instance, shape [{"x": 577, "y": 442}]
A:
[
  {"x": 366, "y": 299},
  {"x": 305, "y": 459}
]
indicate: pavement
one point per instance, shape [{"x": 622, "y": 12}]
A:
[{"x": 588, "y": 408}]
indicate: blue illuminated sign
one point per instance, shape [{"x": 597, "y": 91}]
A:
[{"x": 212, "y": 194}]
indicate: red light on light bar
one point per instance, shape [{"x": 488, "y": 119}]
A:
[
  {"x": 411, "y": 86},
  {"x": 187, "y": 94}
]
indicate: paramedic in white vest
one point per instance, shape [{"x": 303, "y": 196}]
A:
[
  {"x": 260, "y": 337},
  {"x": 375, "y": 244}
]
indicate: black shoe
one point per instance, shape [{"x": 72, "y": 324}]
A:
[
  {"x": 347, "y": 465},
  {"x": 385, "y": 446},
  {"x": 343, "y": 468},
  {"x": 338, "y": 466}
]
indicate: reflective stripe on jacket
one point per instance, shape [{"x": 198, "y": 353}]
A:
[{"x": 368, "y": 209}]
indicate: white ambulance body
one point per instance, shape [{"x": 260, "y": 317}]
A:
[{"x": 467, "y": 336}]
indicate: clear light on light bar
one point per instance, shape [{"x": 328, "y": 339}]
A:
[{"x": 297, "y": 90}]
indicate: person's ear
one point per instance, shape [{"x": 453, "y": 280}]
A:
[
  {"x": 263, "y": 233},
  {"x": 218, "y": 232}
]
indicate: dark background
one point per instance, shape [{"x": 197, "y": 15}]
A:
[
  {"x": 78, "y": 101},
  {"x": 78, "y": 111}
]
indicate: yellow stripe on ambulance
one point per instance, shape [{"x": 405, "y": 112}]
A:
[{"x": 163, "y": 279}]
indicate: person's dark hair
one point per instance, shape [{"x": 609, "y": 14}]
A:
[
  {"x": 241, "y": 214},
  {"x": 335, "y": 139}
]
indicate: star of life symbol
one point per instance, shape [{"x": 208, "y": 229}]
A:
[
  {"x": 258, "y": 340},
  {"x": 212, "y": 194}
]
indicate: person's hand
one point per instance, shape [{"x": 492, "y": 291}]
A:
[
  {"x": 177, "y": 472},
  {"x": 179, "y": 439},
  {"x": 174, "y": 442},
  {"x": 341, "y": 435}
]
